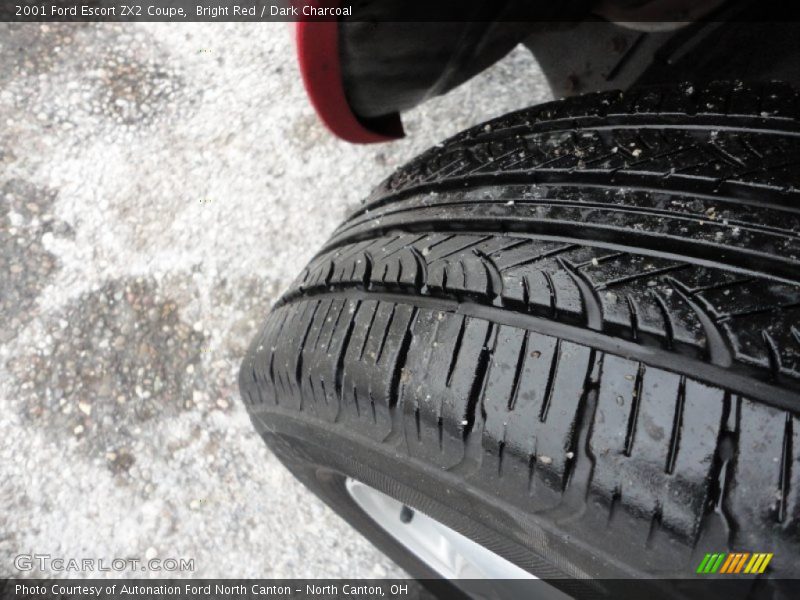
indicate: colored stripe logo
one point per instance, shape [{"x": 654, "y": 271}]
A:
[{"x": 735, "y": 563}]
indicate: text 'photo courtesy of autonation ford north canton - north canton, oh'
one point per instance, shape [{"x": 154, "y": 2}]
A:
[{"x": 399, "y": 299}]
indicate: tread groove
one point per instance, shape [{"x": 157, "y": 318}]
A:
[
  {"x": 385, "y": 335},
  {"x": 784, "y": 481},
  {"x": 633, "y": 417},
  {"x": 551, "y": 288},
  {"x": 589, "y": 299},
  {"x": 773, "y": 354},
  {"x": 669, "y": 327},
  {"x": 366, "y": 334},
  {"x": 718, "y": 352},
  {"x": 367, "y": 277},
  {"x": 584, "y": 204},
  {"x": 579, "y": 439},
  {"x": 494, "y": 277},
  {"x": 402, "y": 358},
  {"x": 677, "y": 425},
  {"x": 456, "y": 350},
  {"x": 634, "y": 316},
  {"x": 479, "y": 382},
  {"x": 591, "y": 178},
  {"x": 298, "y": 373},
  {"x": 523, "y": 353},
  {"x": 551, "y": 377}
]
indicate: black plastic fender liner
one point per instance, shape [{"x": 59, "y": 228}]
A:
[{"x": 391, "y": 63}]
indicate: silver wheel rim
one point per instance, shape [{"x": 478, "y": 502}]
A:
[{"x": 444, "y": 550}]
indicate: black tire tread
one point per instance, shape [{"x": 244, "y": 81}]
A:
[{"x": 566, "y": 349}]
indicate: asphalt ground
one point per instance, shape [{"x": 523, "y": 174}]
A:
[{"x": 160, "y": 185}]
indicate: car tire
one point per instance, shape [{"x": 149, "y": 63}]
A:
[{"x": 571, "y": 334}]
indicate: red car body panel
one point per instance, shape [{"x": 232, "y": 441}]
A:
[{"x": 318, "y": 54}]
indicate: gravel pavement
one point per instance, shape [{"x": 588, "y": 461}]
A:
[{"x": 160, "y": 185}]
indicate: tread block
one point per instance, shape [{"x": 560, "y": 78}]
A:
[
  {"x": 760, "y": 502},
  {"x": 438, "y": 383},
  {"x": 643, "y": 411}
]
